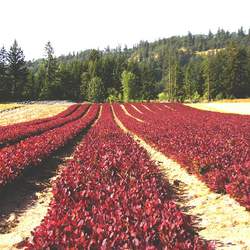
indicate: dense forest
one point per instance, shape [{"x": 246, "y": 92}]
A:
[{"x": 179, "y": 68}]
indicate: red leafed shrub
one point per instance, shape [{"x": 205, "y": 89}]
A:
[
  {"x": 111, "y": 196},
  {"x": 239, "y": 185},
  {"x": 31, "y": 151},
  {"x": 17, "y": 132},
  {"x": 207, "y": 143},
  {"x": 62, "y": 114}
]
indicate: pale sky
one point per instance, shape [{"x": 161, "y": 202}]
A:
[{"x": 75, "y": 25}]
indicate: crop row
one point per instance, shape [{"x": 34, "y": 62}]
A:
[
  {"x": 112, "y": 196},
  {"x": 62, "y": 114},
  {"x": 31, "y": 151},
  {"x": 214, "y": 146},
  {"x": 19, "y": 132}
]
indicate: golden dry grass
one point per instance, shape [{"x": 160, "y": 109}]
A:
[
  {"x": 240, "y": 106},
  {"x": 31, "y": 111},
  {"x": 5, "y": 106}
]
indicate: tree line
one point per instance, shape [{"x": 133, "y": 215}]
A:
[{"x": 187, "y": 68}]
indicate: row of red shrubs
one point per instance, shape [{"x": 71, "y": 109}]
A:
[
  {"x": 31, "y": 151},
  {"x": 112, "y": 196},
  {"x": 214, "y": 146},
  {"x": 62, "y": 114},
  {"x": 13, "y": 133}
]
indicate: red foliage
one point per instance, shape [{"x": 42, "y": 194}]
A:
[
  {"x": 16, "y": 132},
  {"x": 31, "y": 151},
  {"x": 64, "y": 113},
  {"x": 112, "y": 196},
  {"x": 211, "y": 145}
]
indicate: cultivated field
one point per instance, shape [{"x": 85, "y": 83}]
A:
[
  {"x": 124, "y": 176},
  {"x": 13, "y": 113}
]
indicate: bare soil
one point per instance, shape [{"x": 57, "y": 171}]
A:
[{"x": 125, "y": 110}]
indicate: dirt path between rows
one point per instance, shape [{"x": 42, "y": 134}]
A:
[
  {"x": 138, "y": 110},
  {"x": 219, "y": 217},
  {"x": 23, "y": 211},
  {"x": 127, "y": 113},
  {"x": 146, "y": 107},
  {"x": 166, "y": 106}
]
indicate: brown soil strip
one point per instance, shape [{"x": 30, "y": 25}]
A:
[
  {"x": 24, "y": 203},
  {"x": 127, "y": 113},
  {"x": 219, "y": 217}
]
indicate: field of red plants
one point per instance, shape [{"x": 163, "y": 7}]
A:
[
  {"x": 110, "y": 194},
  {"x": 32, "y": 150},
  {"x": 214, "y": 146}
]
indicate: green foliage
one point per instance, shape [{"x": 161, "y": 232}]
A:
[
  {"x": 50, "y": 86},
  {"x": 128, "y": 85},
  {"x": 17, "y": 71},
  {"x": 194, "y": 79},
  {"x": 163, "y": 96},
  {"x": 183, "y": 68},
  {"x": 4, "y": 88},
  {"x": 29, "y": 91},
  {"x": 227, "y": 73},
  {"x": 96, "y": 90},
  {"x": 85, "y": 79},
  {"x": 113, "y": 95},
  {"x": 195, "y": 97}
]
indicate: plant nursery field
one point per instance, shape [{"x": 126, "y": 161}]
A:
[{"x": 124, "y": 176}]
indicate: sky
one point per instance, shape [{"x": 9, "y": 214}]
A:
[{"x": 76, "y": 25}]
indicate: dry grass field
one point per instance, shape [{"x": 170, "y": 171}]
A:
[
  {"x": 9, "y": 106},
  {"x": 13, "y": 113},
  {"x": 240, "y": 106}
]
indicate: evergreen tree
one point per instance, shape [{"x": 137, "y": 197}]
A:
[
  {"x": 50, "y": 88},
  {"x": 214, "y": 75},
  {"x": 29, "y": 92},
  {"x": 193, "y": 79},
  {"x": 179, "y": 83},
  {"x": 236, "y": 72},
  {"x": 75, "y": 69},
  {"x": 180, "y": 65},
  {"x": 40, "y": 79},
  {"x": 17, "y": 71},
  {"x": 148, "y": 90},
  {"x": 64, "y": 76},
  {"x": 96, "y": 90},
  {"x": 85, "y": 79},
  {"x": 4, "y": 91}
]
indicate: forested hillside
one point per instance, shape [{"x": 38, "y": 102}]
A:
[{"x": 180, "y": 68}]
